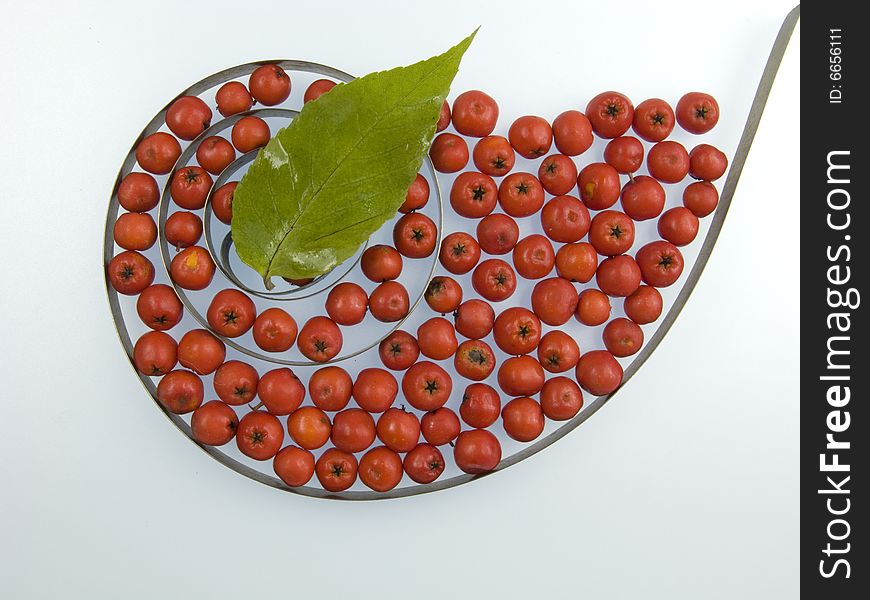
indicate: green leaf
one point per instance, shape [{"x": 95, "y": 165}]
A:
[{"x": 340, "y": 170}]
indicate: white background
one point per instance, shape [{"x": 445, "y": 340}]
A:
[{"x": 685, "y": 486}]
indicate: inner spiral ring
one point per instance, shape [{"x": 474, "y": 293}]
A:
[{"x": 221, "y": 255}]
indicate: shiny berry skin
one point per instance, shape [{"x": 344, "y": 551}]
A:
[
  {"x": 654, "y": 120},
  {"x": 353, "y": 430},
  {"x": 521, "y": 376},
  {"x": 222, "y": 202},
  {"x": 477, "y": 451},
  {"x": 565, "y": 219},
  {"x": 129, "y": 273},
  {"x": 523, "y": 419},
  {"x": 231, "y": 313},
  {"x": 159, "y": 307},
  {"x": 622, "y": 337},
  {"x": 561, "y": 399},
  {"x": 215, "y": 154},
  {"x": 534, "y": 257},
  {"x": 415, "y": 235},
  {"x": 380, "y": 469},
  {"x": 417, "y": 195},
  {"x": 180, "y": 392},
  {"x": 474, "y": 113},
  {"x": 189, "y": 187},
  {"x": 274, "y": 330},
  {"x": 399, "y": 350},
  {"x": 187, "y": 117},
  {"x": 611, "y": 232},
  {"x": 138, "y": 192},
  {"x": 577, "y": 262},
  {"x": 399, "y": 430},
  {"x": 250, "y": 133},
  {"x": 440, "y": 426},
  {"x": 459, "y": 253},
  {"x": 294, "y": 466},
  {"x": 598, "y": 372},
  {"x": 517, "y": 330},
  {"x": 521, "y": 194},
  {"x": 269, "y": 85},
  {"x": 610, "y": 114},
  {"x": 618, "y": 276},
  {"x": 701, "y": 198},
  {"x": 494, "y": 280},
  {"x": 449, "y": 153},
  {"x": 235, "y": 382},
  {"x": 625, "y": 154},
  {"x": 558, "y": 351},
  {"x": 473, "y": 195},
  {"x": 192, "y": 268},
  {"x": 480, "y": 405},
  {"x": 437, "y": 338},
  {"x": 497, "y": 234},
  {"x": 593, "y": 307},
  {"x": 317, "y": 89},
  {"x": 679, "y": 226},
  {"x": 158, "y": 153},
  {"x": 330, "y": 388},
  {"x": 232, "y": 98},
  {"x": 309, "y": 427},
  {"x": 320, "y": 339},
  {"x": 424, "y": 464},
  {"x": 259, "y": 435},
  {"x": 554, "y": 300},
  {"x": 572, "y": 133},
  {"x": 201, "y": 352},
  {"x": 381, "y": 263},
  {"x": 389, "y": 302},
  {"x": 531, "y": 136},
  {"x": 558, "y": 174},
  {"x": 707, "y": 163},
  {"x": 644, "y": 305},
  {"x": 375, "y": 390},
  {"x": 494, "y": 156},
  {"x": 443, "y": 118},
  {"x": 668, "y": 161},
  {"x": 155, "y": 353},
  {"x": 346, "y": 303},
  {"x": 214, "y": 423},
  {"x": 426, "y": 386},
  {"x": 643, "y": 198},
  {"x": 443, "y": 294},
  {"x": 661, "y": 263},
  {"x": 135, "y": 231},
  {"x": 336, "y": 470},
  {"x": 182, "y": 229},
  {"x": 697, "y": 112},
  {"x": 599, "y": 186},
  {"x": 474, "y": 319}
]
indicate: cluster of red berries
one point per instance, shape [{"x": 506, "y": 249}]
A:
[{"x": 425, "y": 385}]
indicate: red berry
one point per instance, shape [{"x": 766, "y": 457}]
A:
[
  {"x": 598, "y": 372},
  {"x": 270, "y": 85},
  {"x": 610, "y": 114},
  {"x": 697, "y": 112},
  {"x": 187, "y": 117},
  {"x": 232, "y": 98}
]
